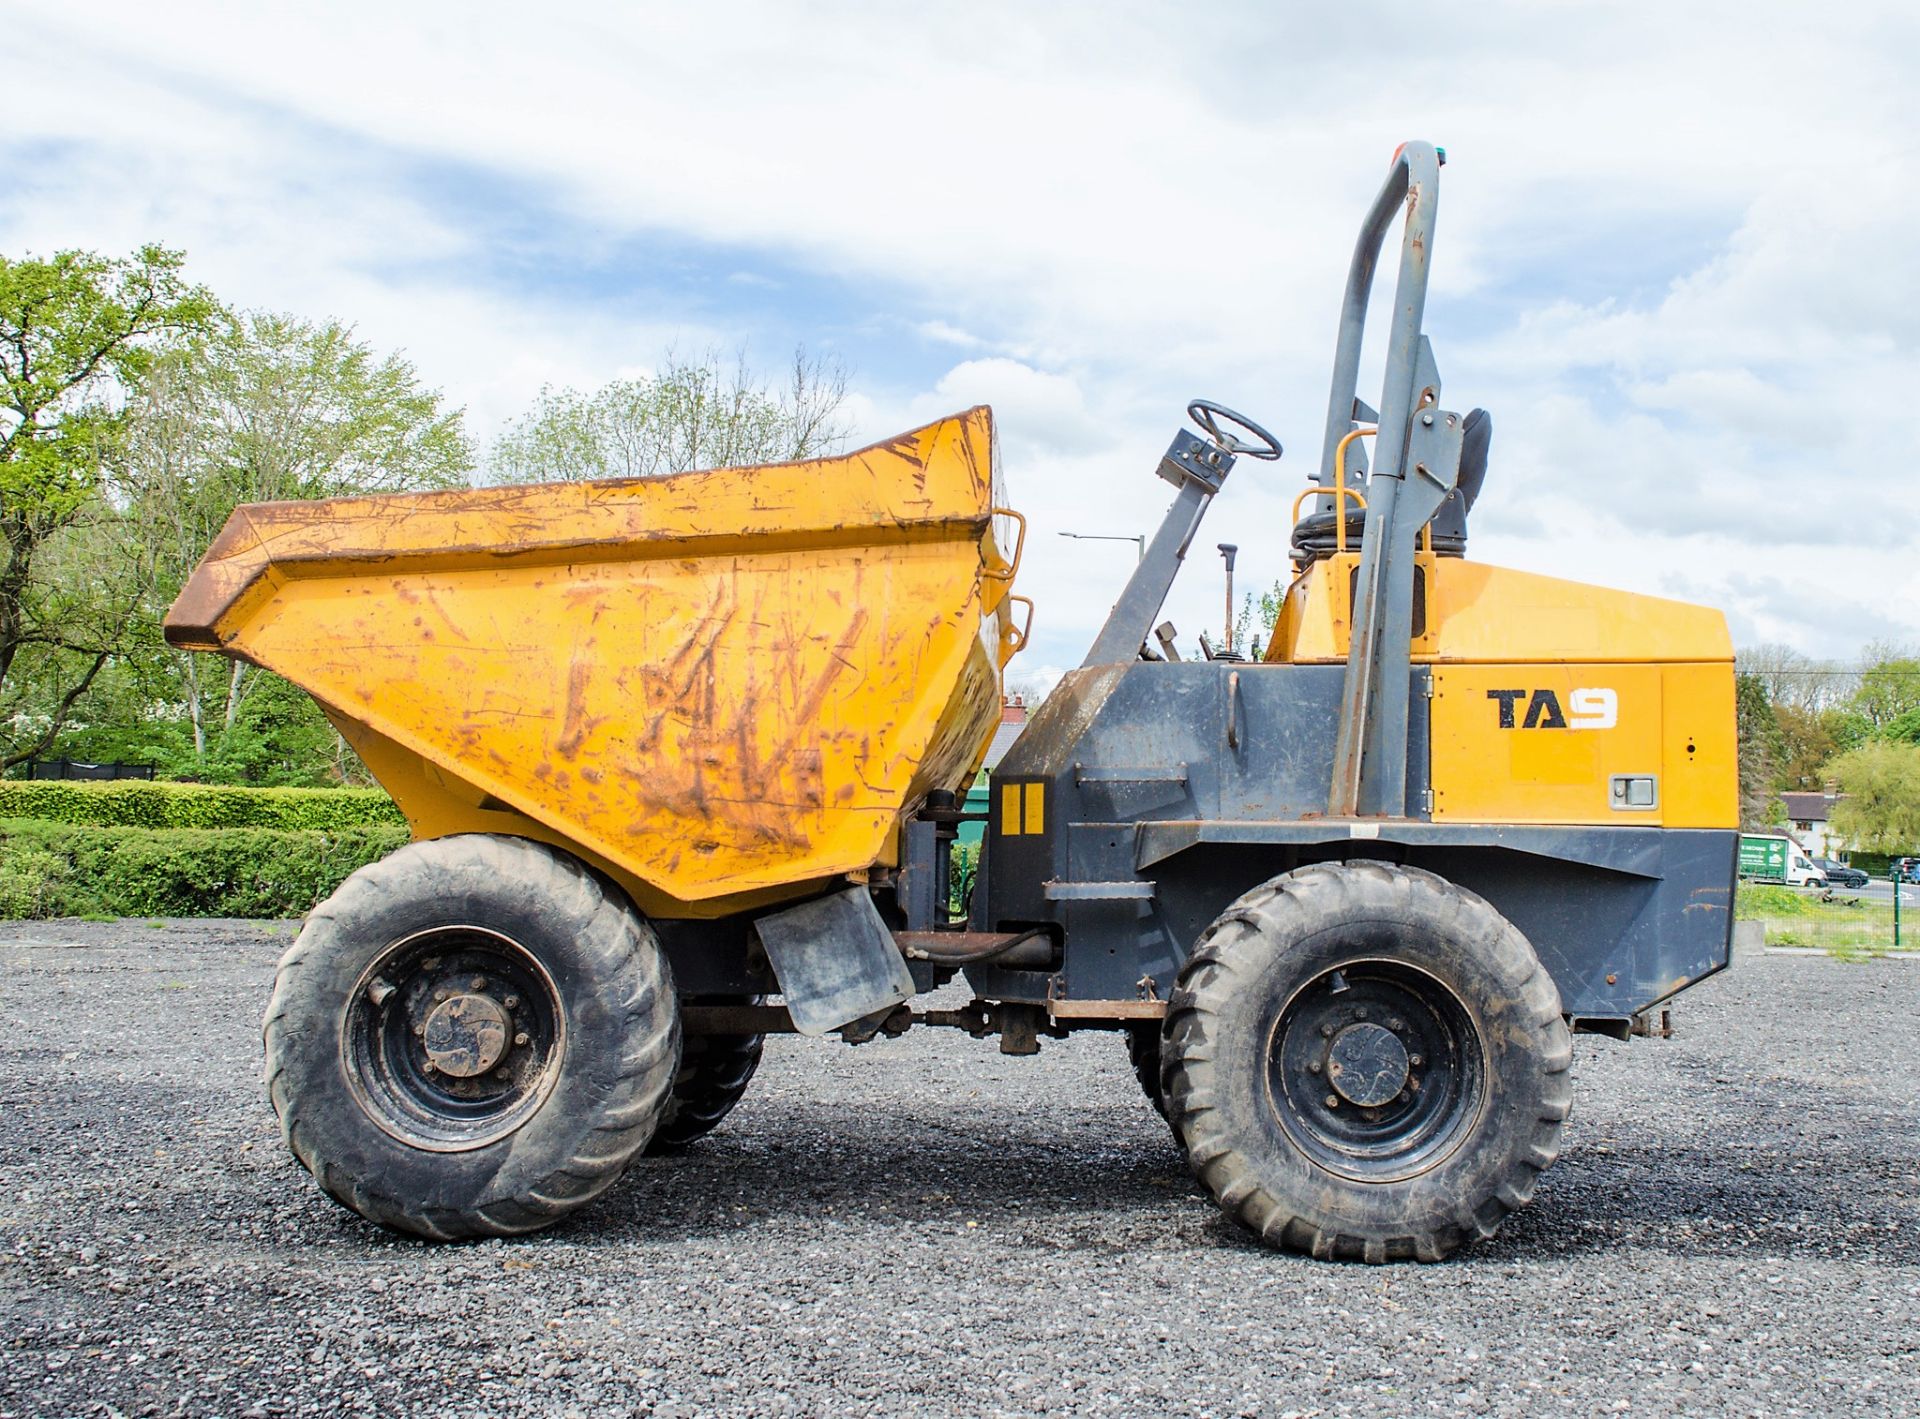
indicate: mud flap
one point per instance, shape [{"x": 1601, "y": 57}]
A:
[{"x": 835, "y": 960}]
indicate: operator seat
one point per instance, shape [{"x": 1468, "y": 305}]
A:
[{"x": 1314, "y": 536}]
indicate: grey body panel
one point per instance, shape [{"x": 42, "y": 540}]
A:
[{"x": 1171, "y": 789}]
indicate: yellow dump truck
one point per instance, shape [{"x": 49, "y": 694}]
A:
[{"x": 685, "y": 759}]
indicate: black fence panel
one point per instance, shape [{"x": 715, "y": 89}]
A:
[{"x": 73, "y": 768}]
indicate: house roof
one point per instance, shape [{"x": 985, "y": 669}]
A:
[
  {"x": 1810, "y": 807},
  {"x": 1003, "y": 738}
]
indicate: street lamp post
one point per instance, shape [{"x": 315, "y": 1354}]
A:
[
  {"x": 1227, "y": 550},
  {"x": 1138, "y": 541}
]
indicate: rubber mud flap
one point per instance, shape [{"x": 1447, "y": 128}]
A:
[{"x": 835, "y": 960}]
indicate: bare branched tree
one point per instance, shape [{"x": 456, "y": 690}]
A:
[
  {"x": 691, "y": 414},
  {"x": 1795, "y": 680}
]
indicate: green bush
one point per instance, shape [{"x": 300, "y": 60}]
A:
[
  {"x": 62, "y": 869},
  {"x": 28, "y": 880},
  {"x": 138, "y": 804},
  {"x": 963, "y": 870}
]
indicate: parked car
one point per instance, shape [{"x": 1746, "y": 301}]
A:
[
  {"x": 1839, "y": 874},
  {"x": 1905, "y": 869}
]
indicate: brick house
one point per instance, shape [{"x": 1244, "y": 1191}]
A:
[{"x": 1013, "y": 719}]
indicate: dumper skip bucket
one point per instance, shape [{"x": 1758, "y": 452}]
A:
[{"x": 724, "y": 688}]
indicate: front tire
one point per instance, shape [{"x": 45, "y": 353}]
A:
[
  {"x": 1366, "y": 1061},
  {"x": 473, "y": 1037}
]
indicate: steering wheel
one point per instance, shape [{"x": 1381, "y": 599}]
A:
[{"x": 1209, "y": 415}]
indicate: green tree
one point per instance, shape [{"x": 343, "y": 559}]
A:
[
  {"x": 1806, "y": 740},
  {"x": 1880, "y": 810},
  {"x": 267, "y": 407},
  {"x": 77, "y": 330},
  {"x": 1905, "y": 728},
  {"x": 1889, "y": 686},
  {"x": 1758, "y": 733},
  {"x": 691, "y": 414}
]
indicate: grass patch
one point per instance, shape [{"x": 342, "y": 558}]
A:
[{"x": 1842, "y": 923}]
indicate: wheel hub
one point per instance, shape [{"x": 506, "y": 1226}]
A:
[
  {"x": 453, "y": 1038},
  {"x": 1366, "y": 1064},
  {"x": 1375, "y": 1070},
  {"x": 466, "y": 1035}
]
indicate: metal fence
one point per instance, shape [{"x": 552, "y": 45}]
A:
[
  {"x": 74, "y": 768},
  {"x": 1851, "y": 921}
]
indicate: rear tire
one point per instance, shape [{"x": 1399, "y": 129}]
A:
[
  {"x": 472, "y": 1037},
  {"x": 714, "y": 1073},
  {"x": 1143, "y": 1052},
  {"x": 1366, "y": 1061}
]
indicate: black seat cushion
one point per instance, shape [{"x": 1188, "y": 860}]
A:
[{"x": 1314, "y": 536}]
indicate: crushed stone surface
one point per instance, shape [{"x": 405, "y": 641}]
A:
[{"x": 924, "y": 1226}]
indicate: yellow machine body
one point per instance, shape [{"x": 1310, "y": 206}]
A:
[
  {"x": 1548, "y": 693},
  {"x": 723, "y": 688}
]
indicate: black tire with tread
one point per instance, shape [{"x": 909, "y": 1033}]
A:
[
  {"x": 1143, "y": 1053},
  {"x": 714, "y": 1073},
  {"x": 1221, "y": 1015},
  {"x": 621, "y": 1053}
]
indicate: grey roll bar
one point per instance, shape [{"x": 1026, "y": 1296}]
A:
[{"x": 1369, "y": 763}]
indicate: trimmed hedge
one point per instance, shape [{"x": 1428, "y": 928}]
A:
[
  {"x": 137, "y": 804},
  {"x": 60, "y": 869}
]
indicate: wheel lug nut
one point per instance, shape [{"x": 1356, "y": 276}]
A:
[
  {"x": 1361, "y": 1013},
  {"x": 1327, "y": 1030},
  {"x": 420, "y": 1029},
  {"x": 479, "y": 982},
  {"x": 1415, "y": 1060},
  {"x": 1333, "y": 1101},
  {"x": 1396, "y": 1024},
  {"x": 441, "y": 994},
  {"x": 430, "y": 1067},
  {"x": 511, "y": 1001},
  {"x": 503, "y": 1073},
  {"x": 521, "y": 1038},
  {"x": 1314, "y": 1067}
]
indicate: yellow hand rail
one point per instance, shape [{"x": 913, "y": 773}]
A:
[
  {"x": 1340, "y": 493},
  {"x": 1340, "y": 488},
  {"x": 1014, "y": 641},
  {"x": 1315, "y": 490},
  {"x": 1019, "y": 545}
]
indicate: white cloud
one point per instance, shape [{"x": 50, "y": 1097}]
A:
[
  {"x": 942, "y": 333},
  {"x": 1046, "y": 411},
  {"x": 1669, "y": 253}
]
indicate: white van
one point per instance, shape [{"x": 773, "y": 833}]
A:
[{"x": 1771, "y": 857}]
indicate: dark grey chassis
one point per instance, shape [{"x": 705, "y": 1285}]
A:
[{"x": 1173, "y": 788}]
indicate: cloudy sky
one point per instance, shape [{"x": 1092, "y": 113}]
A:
[{"x": 1674, "y": 251}]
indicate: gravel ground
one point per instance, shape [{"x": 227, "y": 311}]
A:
[{"x": 924, "y": 1226}]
